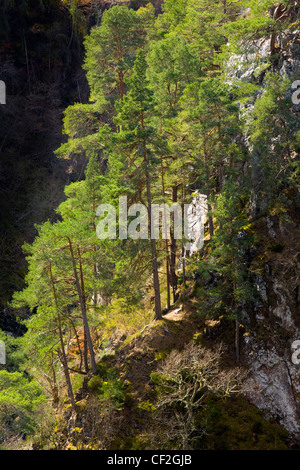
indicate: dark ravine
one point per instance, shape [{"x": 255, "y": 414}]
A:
[
  {"x": 40, "y": 62},
  {"x": 10, "y": 324}
]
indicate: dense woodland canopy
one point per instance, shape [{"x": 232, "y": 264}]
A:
[{"x": 164, "y": 117}]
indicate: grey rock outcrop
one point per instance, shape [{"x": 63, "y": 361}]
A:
[
  {"x": 195, "y": 219},
  {"x": 273, "y": 383}
]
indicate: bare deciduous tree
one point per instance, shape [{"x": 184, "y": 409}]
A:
[{"x": 187, "y": 378}]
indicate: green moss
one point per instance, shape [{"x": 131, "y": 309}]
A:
[
  {"x": 235, "y": 424},
  {"x": 160, "y": 355},
  {"x": 147, "y": 406},
  {"x": 106, "y": 385},
  {"x": 278, "y": 248},
  {"x": 104, "y": 366},
  {"x": 156, "y": 378},
  {"x": 94, "y": 383}
]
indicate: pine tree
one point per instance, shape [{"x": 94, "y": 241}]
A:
[
  {"x": 44, "y": 294},
  {"x": 110, "y": 54},
  {"x": 231, "y": 242},
  {"x": 258, "y": 21},
  {"x": 173, "y": 65},
  {"x": 273, "y": 128},
  {"x": 136, "y": 141},
  {"x": 109, "y": 57}
]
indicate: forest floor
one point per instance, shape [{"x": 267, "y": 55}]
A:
[{"x": 140, "y": 356}]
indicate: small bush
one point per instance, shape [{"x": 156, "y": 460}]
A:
[
  {"x": 20, "y": 401},
  {"x": 147, "y": 406},
  {"x": 95, "y": 383},
  {"x": 108, "y": 388}
]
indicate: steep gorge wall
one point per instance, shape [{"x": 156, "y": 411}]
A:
[
  {"x": 41, "y": 57},
  {"x": 40, "y": 63},
  {"x": 272, "y": 327}
]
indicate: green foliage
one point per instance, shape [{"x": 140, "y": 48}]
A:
[
  {"x": 20, "y": 402},
  {"x": 231, "y": 243},
  {"x": 273, "y": 129},
  {"x": 110, "y": 53},
  {"x": 212, "y": 115},
  {"x": 173, "y": 64},
  {"x": 14, "y": 353},
  {"x": 109, "y": 389},
  {"x": 147, "y": 406},
  {"x": 78, "y": 18}
]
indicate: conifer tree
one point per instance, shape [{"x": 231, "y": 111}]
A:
[
  {"x": 273, "y": 129},
  {"x": 110, "y": 54},
  {"x": 136, "y": 142},
  {"x": 44, "y": 292},
  {"x": 231, "y": 242},
  {"x": 109, "y": 58},
  {"x": 173, "y": 64}
]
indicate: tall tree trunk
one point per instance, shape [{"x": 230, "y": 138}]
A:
[
  {"x": 54, "y": 386},
  {"x": 167, "y": 260},
  {"x": 156, "y": 285},
  {"x": 85, "y": 341},
  {"x": 121, "y": 85},
  {"x": 237, "y": 340},
  {"x": 63, "y": 355},
  {"x": 157, "y": 301},
  {"x": 78, "y": 345},
  {"x": 183, "y": 265},
  {"x": 173, "y": 275},
  {"x": 168, "y": 277},
  {"x": 83, "y": 310},
  {"x": 210, "y": 221}
]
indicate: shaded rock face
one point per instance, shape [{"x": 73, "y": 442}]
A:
[
  {"x": 253, "y": 65},
  {"x": 273, "y": 383},
  {"x": 9, "y": 323},
  {"x": 41, "y": 66}
]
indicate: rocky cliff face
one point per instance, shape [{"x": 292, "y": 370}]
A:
[
  {"x": 273, "y": 384},
  {"x": 40, "y": 63},
  {"x": 273, "y": 326}
]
